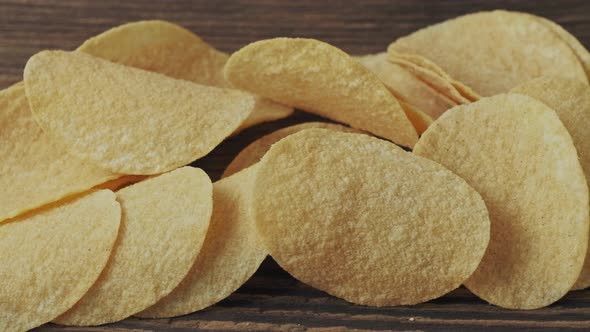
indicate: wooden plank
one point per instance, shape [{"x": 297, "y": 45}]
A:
[{"x": 273, "y": 300}]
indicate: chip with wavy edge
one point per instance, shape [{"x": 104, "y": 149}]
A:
[
  {"x": 317, "y": 77},
  {"x": 571, "y": 100},
  {"x": 252, "y": 154},
  {"x": 35, "y": 169},
  {"x": 232, "y": 251},
  {"x": 49, "y": 260},
  {"x": 492, "y": 52},
  {"x": 169, "y": 49},
  {"x": 517, "y": 154},
  {"x": 128, "y": 120},
  {"x": 406, "y": 87},
  {"x": 163, "y": 226},
  {"x": 365, "y": 221}
]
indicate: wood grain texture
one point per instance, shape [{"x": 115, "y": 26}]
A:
[{"x": 272, "y": 300}]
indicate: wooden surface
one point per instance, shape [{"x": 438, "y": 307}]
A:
[{"x": 272, "y": 300}]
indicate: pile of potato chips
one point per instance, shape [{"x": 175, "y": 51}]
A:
[{"x": 101, "y": 219}]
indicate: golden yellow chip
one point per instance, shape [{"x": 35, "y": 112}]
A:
[
  {"x": 252, "y": 154},
  {"x": 420, "y": 61},
  {"x": 437, "y": 82},
  {"x": 363, "y": 220},
  {"x": 517, "y": 154},
  {"x": 492, "y": 52},
  {"x": 407, "y": 87},
  {"x": 419, "y": 119},
  {"x": 35, "y": 170},
  {"x": 320, "y": 78},
  {"x": 230, "y": 255},
  {"x": 129, "y": 120},
  {"x": 171, "y": 50},
  {"x": 577, "y": 47},
  {"x": 571, "y": 100},
  {"x": 50, "y": 259},
  {"x": 163, "y": 227}
]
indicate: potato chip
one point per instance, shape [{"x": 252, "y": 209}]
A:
[
  {"x": 420, "y": 61},
  {"x": 407, "y": 87},
  {"x": 252, "y": 154},
  {"x": 129, "y": 120},
  {"x": 35, "y": 170},
  {"x": 492, "y": 52},
  {"x": 232, "y": 252},
  {"x": 571, "y": 100},
  {"x": 169, "y": 49},
  {"x": 365, "y": 221},
  {"x": 50, "y": 259},
  {"x": 163, "y": 226},
  {"x": 577, "y": 47},
  {"x": 438, "y": 83},
  {"x": 419, "y": 119},
  {"x": 319, "y": 78},
  {"x": 517, "y": 154}
]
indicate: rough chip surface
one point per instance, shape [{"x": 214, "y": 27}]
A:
[
  {"x": 571, "y": 100},
  {"x": 252, "y": 154},
  {"x": 406, "y": 86},
  {"x": 577, "y": 47},
  {"x": 365, "y": 221},
  {"x": 163, "y": 226},
  {"x": 230, "y": 255},
  {"x": 49, "y": 260},
  {"x": 169, "y": 49},
  {"x": 517, "y": 154},
  {"x": 492, "y": 52},
  {"x": 128, "y": 120},
  {"x": 35, "y": 169},
  {"x": 319, "y": 78}
]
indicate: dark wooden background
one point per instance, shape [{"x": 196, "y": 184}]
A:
[{"x": 272, "y": 300}]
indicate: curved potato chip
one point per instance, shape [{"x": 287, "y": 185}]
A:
[
  {"x": 365, "y": 221},
  {"x": 571, "y": 100},
  {"x": 421, "y": 61},
  {"x": 517, "y": 154},
  {"x": 232, "y": 252},
  {"x": 432, "y": 79},
  {"x": 419, "y": 119},
  {"x": 320, "y": 78},
  {"x": 169, "y": 49},
  {"x": 35, "y": 169},
  {"x": 407, "y": 87},
  {"x": 577, "y": 47},
  {"x": 252, "y": 154},
  {"x": 50, "y": 259},
  {"x": 492, "y": 52},
  {"x": 164, "y": 222},
  {"x": 128, "y": 120}
]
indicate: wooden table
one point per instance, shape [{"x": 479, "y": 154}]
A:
[{"x": 272, "y": 300}]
